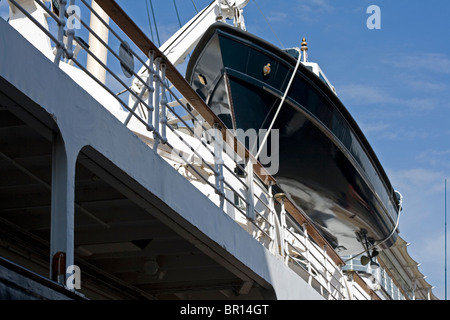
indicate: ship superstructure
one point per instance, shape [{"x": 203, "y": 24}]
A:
[{"x": 144, "y": 191}]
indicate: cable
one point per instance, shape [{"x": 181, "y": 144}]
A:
[
  {"x": 154, "y": 21},
  {"x": 194, "y": 6},
  {"x": 383, "y": 241},
  {"x": 149, "y": 21},
  {"x": 281, "y": 104},
  {"x": 176, "y": 10},
  {"x": 273, "y": 31}
]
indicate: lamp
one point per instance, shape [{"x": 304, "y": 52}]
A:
[
  {"x": 374, "y": 253},
  {"x": 369, "y": 259},
  {"x": 365, "y": 260}
]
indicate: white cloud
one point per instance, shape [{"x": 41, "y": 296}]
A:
[
  {"x": 435, "y": 62},
  {"x": 363, "y": 93},
  {"x": 428, "y": 86},
  {"x": 370, "y": 95},
  {"x": 310, "y": 10},
  {"x": 317, "y": 5},
  {"x": 277, "y": 16},
  {"x": 374, "y": 128},
  {"x": 418, "y": 179},
  {"x": 435, "y": 158}
]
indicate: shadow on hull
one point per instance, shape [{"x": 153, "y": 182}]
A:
[{"x": 325, "y": 164}]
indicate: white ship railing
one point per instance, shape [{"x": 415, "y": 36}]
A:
[
  {"x": 379, "y": 278},
  {"x": 172, "y": 119}
]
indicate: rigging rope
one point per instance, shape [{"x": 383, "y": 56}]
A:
[
  {"x": 176, "y": 10},
  {"x": 149, "y": 21},
  {"x": 194, "y": 6},
  {"x": 380, "y": 242},
  {"x": 279, "y": 107},
  {"x": 154, "y": 21},
  {"x": 270, "y": 26}
]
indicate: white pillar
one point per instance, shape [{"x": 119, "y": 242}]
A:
[
  {"x": 97, "y": 48},
  {"x": 62, "y": 210}
]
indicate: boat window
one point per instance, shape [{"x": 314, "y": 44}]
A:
[
  {"x": 321, "y": 77},
  {"x": 293, "y": 52}
]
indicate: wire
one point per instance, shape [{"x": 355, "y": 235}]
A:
[
  {"x": 176, "y": 10},
  {"x": 273, "y": 31},
  {"x": 383, "y": 241},
  {"x": 149, "y": 21},
  {"x": 194, "y": 6},
  {"x": 154, "y": 21},
  {"x": 279, "y": 108}
]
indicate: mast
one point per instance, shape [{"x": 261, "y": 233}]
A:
[{"x": 304, "y": 49}]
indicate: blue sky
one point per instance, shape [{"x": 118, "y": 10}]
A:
[{"x": 395, "y": 81}]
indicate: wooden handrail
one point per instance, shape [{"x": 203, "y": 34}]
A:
[
  {"x": 357, "y": 278},
  {"x": 388, "y": 271},
  {"x": 127, "y": 25},
  {"x": 312, "y": 230}
]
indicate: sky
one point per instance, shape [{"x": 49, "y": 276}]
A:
[{"x": 395, "y": 81}]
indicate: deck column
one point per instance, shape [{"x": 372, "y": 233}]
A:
[{"x": 62, "y": 211}]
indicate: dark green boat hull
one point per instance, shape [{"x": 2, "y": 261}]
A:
[{"x": 326, "y": 165}]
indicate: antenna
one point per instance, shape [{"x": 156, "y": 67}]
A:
[{"x": 445, "y": 210}]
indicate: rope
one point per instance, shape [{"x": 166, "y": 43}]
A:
[
  {"x": 381, "y": 242},
  {"x": 149, "y": 21},
  {"x": 279, "y": 108},
  {"x": 270, "y": 26},
  {"x": 194, "y": 6},
  {"x": 176, "y": 10},
  {"x": 154, "y": 21}
]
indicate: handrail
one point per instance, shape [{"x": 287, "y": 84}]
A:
[
  {"x": 362, "y": 284},
  {"x": 397, "y": 284},
  {"x": 303, "y": 219},
  {"x": 256, "y": 178},
  {"x": 128, "y": 26}
]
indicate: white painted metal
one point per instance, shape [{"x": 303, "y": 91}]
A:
[
  {"x": 27, "y": 28},
  {"x": 300, "y": 265},
  {"x": 63, "y": 208},
  {"x": 177, "y": 47},
  {"x": 99, "y": 50}
]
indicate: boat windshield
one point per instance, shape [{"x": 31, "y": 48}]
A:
[{"x": 293, "y": 52}]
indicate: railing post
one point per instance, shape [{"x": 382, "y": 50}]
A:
[
  {"x": 163, "y": 108},
  {"x": 157, "y": 81},
  {"x": 151, "y": 89},
  {"x": 70, "y": 34},
  {"x": 61, "y": 26},
  {"x": 250, "y": 208},
  {"x": 272, "y": 219},
  {"x": 281, "y": 197},
  {"x": 328, "y": 275},
  {"x": 218, "y": 164},
  {"x": 308, "y": 253}
]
